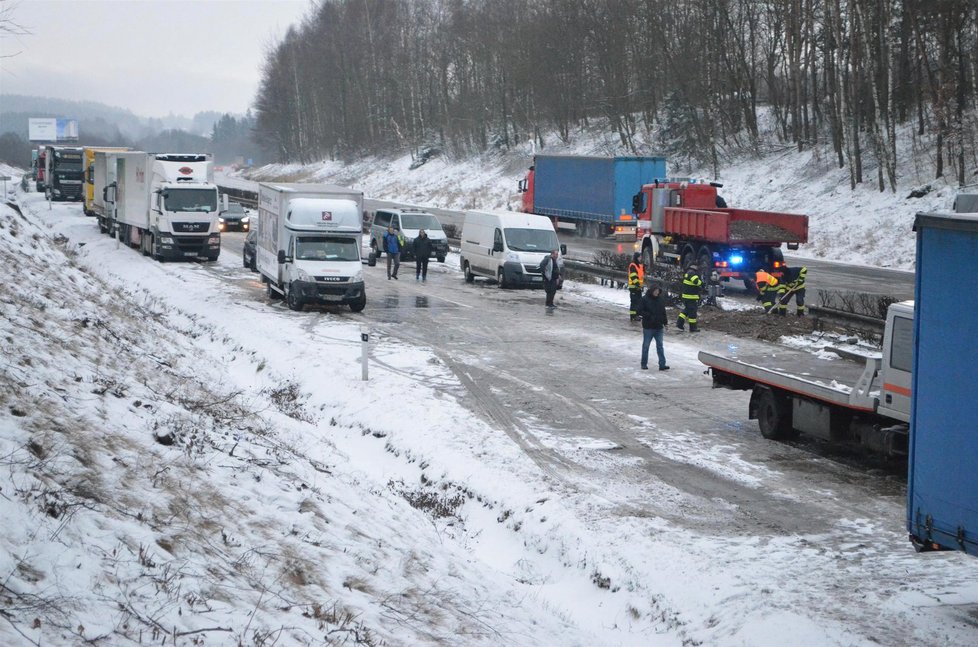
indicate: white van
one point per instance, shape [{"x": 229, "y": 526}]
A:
[
  {"x": 409, "y": 222},
  {"x": 506, "y": 246}
]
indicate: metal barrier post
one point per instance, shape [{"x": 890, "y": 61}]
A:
[{"x": 364, "y": 344}]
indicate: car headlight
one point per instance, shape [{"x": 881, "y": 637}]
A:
[
  {"x": 512, "y": 257},
  {"x": 245, "y": 220},
  {"x": 357, "y": 278},
  {"x": 220, "y": 221},
  {"x": 302, "y": 275}
]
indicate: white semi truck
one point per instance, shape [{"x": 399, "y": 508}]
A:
[
  {"x": 164, "y": 204},
  {"x": 308, "y": 248}
]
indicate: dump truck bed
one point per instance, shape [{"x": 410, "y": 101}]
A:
[
  {"x": 737, "y": 226},
  {"x": 826, "y": 380}
]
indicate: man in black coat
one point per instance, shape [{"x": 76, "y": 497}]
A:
[
  {"x": 422, "y": 250},
  {"x": 652, "y": 310}
]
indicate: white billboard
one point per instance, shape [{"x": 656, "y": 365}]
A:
[
  {"x": 42, "y": 130},
  {"x": 52, "y": 130}
]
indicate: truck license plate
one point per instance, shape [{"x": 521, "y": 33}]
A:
[{"x": 190, "y": 253}]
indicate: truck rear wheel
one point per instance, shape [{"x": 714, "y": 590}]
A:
[{"x": 773, "y": 415}]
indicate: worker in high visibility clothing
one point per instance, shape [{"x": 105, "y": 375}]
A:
[
  {"x": 794, "y": 279},
  {"x": 636, "y": 278},
  {"x": 692, "y": 288},
  {"x": 769, "y": 290}
]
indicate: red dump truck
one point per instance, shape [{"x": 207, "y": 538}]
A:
[{"x": 682, "y": 222}]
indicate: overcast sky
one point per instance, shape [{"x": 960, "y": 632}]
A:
[{"x": 154, "y": 57}]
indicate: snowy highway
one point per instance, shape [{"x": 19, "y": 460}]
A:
[{"x": 601, "y": 504}]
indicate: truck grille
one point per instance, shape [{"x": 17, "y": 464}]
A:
[
  {"x": 191, "y": 227},
  {"x": 191, "y": 243}
]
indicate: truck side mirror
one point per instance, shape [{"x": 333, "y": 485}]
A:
[
  {"x": 497, "y": 246},
  {"x": 563, "y": 249},
  {"x": 638, "y": 203},
  {"x": 521, "y": 186},
  {"x": 281, "y": 257}
]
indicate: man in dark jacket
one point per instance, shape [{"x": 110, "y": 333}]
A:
[
  {"x": 422, "y": 250},
  {"x": 550, "y": 267},
  {"x": 652, "y": 310}
]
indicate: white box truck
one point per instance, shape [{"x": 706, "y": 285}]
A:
[
  {"x": 308, "y": 247},
  {"x": 165, "y": 204}
]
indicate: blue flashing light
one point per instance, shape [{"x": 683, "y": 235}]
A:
[{"x": 736, "y": 259}]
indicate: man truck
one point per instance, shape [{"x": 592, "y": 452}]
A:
[
  {"x": 593, "y": 193},
  {"x": 685, "y": 222},
  {"x": 165, "y": 205},
  {"x": 308, "y": 247}
]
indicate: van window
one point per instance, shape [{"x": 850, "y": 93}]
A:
[
  {"x": 497, "y": 239},
  {"x": 901, "y": 346},
  {"x": 395, "y": 223},
  {"x": 424, "y": 221},
  {"x": 382, "y": 219}
]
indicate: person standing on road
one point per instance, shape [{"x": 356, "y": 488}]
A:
[
  {"x": 652, "y": 310},
  {"x": 422, "y": 250},
  {"x": 635, "y": 279},
  {"x": 392, "y": 245},
  {"x": 692, "y": 286},
  {"x": 551, "y": 267}
]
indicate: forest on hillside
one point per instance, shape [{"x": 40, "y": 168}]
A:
[{"x": 694, "y": 76}]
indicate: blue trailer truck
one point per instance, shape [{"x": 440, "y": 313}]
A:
[
  {"x": 593, "y": 193},
  {"x": 942, "y": 486}
]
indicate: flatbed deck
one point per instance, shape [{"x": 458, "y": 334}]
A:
[{"x": 827, "y": 380}]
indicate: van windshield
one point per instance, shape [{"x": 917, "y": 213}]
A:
[
  {"x": 424, "y": 221},
  {"x": 531, "y": 240},
  {"x": 327, "y": 248}
]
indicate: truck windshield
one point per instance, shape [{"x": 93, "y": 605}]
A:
[
  {"x": 531, "y": 240},
  {"x": 327, "y": 248},
  {"x": 69, "y": 166},
  {"x": 204, "y": 200},
  {"x": 424, "y": 221}
]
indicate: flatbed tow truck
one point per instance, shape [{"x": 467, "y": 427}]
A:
[{"x": 840, "y": 401}]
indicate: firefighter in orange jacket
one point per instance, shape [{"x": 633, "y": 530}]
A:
[
  {"x": 636, "y": 277},
  {"x": 769, "y": 290}
]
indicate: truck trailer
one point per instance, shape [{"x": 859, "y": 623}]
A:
[
  {"x": 942, "y": 490},
  {"x": 88, "y": 163},
  {"x": 308, "y": 247},
  {"x": 685, "y": 222},
  {"x": 862, "y": 403},
  {"x": 165, "y": 205},
  {"x": 593, "y": 193}
]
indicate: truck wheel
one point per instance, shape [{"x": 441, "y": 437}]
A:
[
  {"x": 441, "y": 259},
  {"x": 294, "y": 300},
  {"x": 469, "y": 276},
  {"x": 774, "y": 415},
  {"x": 706, "y": 264},
  {"x": 359, "y": 304},
  {"x": 647, "y": 260}
]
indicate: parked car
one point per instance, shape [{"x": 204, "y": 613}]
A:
[
  {"x": 248, "y": 251},
  {"x": 234, "y": 218}
]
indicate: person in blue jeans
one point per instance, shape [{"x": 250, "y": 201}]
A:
[
  {"x": 392, "y": 245},
  {"x": 652, "y": 310}
]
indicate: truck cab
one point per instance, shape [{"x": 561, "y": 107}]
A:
[{"x": 184, "y": 207}]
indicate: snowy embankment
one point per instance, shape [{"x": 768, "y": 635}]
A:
[
  {"x": 862, "y": 226},
  {"x": 178, "y": 465}
]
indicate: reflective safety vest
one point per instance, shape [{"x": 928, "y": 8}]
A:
[
  {"x": 636, "y": 276},
  {"x": 764, "y": 277},
  {"x": 692, "y": 284}
]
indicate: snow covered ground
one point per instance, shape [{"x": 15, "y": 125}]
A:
[{"x": 182, "y": 465}]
